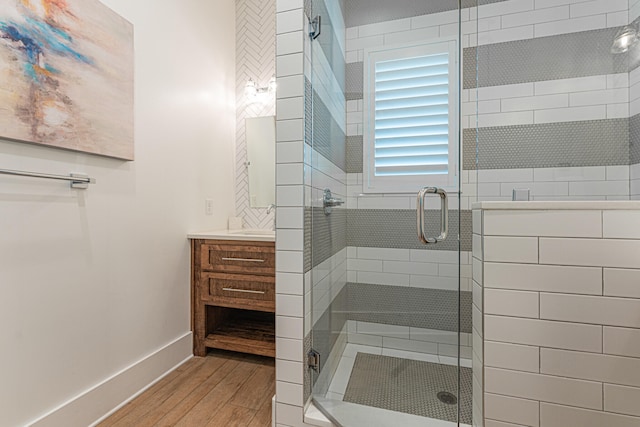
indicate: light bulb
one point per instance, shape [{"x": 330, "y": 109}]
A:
[{"x": 626, "y": 38}]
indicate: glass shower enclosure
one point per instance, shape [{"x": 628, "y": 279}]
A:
[{"x": 388, "y": 244}]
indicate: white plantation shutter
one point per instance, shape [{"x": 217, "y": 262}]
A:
[{"x": 411, "y": 118}]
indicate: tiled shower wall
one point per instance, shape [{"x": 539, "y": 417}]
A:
[
  {"x": 634, "y": 107},
  {"x": 255, "y": 59},
  {"x": 552, "y": 101}
]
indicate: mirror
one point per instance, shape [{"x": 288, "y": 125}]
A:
[{"x": 261, "y": 152}]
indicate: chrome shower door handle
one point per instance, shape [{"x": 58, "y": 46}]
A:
[{"x": 444, "y": 215}]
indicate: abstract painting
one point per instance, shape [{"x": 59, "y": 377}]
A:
[{"x": 66, "y": 76}]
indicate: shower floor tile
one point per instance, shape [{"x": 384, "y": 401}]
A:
[{"x": 341, "y": 378}]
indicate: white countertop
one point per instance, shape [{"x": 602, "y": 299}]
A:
[
  {"x": 559, "y": 205},
  {"x": 253, "y": 235}
]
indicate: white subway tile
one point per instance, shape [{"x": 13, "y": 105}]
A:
[
  {"x": 573, "y": 25},
  {"x": 505, "y": 119},
  {"x": 596, "y": 7},
  {"x": 512, "y": 356},
  {"x": 622, "y": 400},
  {"x": 593, "y": 173},
  {"x": 501, "y": 92},
  {"x": 418, "y": 268},
  {"x": 290, "y": 217},
  {"x": 289, "y": 43},
  {"x": 543, "y": 223},
  {"x": 512, "y": 410},
  {"x": 590, "y": 309},
  {"x": 618, "y": 173},
  {"x": 407, "y": 36},
  {"x": 383, "y": 278},
  {"x": 289, "y": 130},
  {"x": 570, "y": 336},
  {"x": 563, "y": 416},
  {"x": 385, "y": 254},
  {"x": 284, "y": 5},
  {"x": 620, "y": 80},
  {"x": 289, "y": 327},
  {"x": 364, "y": 265},
  {"x": 392, "y": 331},
  {"x": 384, "y": 27},
  {"x": 621, "y": 224},
  {"x": 544, "y": 278},
  {"x": 589, "y": 252},
  {"x": 622, "y": 341},
  {"x": 410, "y": 345},
  {"x": 288, "y": 65},
  {"x": 574, "y": 114},
  {"x": 599, "y": 97},
  {"x": 289, "y": 261},
  {"x": 289, "y": 21},
  {"x": 502, "y": 175},
  {"x": 504, "y": 8},
  {"x": 288, "y": 349},
  {"x": 535, "y": 16},
  {"x": 511, "y": 303},
  {"x": 545, "y": 388},
  {"x": 570, "y": 85},
  {"x": 289, "y": 152},
  {"x": 535, "y": 103},
  {"x": 511, "y": 249},
  {"x": 590, "y": 366},
  {"x": 622, "y": 283}
]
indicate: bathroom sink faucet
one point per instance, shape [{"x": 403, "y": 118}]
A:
[{"x": 270, "y": 208}]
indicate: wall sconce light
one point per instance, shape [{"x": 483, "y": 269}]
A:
[
  {"x": 256, "y": 93},
  {"x": 625, "y": 39}
]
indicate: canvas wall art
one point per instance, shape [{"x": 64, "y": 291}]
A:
[{"x": 66, "y": 76}]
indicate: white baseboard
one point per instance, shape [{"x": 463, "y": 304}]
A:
[{"x": 98, "y": 402}]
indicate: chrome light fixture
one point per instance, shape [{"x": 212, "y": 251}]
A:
[
  {"x": 256, "y": 93},
  {"x": 625, "y": 39}
]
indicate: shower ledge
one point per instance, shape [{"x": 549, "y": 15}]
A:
[{"x": 560, "y": 205}]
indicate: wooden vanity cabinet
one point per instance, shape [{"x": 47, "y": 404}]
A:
[{"x": 233, "y": 296}]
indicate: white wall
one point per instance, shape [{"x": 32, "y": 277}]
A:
[{"x": 92, "y": 282}]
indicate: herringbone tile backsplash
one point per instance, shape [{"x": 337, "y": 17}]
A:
[{"x": 255, "y": 59}]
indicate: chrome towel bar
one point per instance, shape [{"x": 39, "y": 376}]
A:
[{"x": 80, "y": 181}]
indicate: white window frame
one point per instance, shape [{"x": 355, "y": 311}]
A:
[{"x": 411, "y": 183}]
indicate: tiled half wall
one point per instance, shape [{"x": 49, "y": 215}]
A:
[{"x": 556, "y": 330}]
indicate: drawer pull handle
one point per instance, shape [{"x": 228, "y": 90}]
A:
[
  {"x": 243, "y": 259},
  {"x": 244, "y": 291}
]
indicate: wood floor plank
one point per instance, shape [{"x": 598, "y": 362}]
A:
[
  {"x": 232, "y": 416},
  {"x": 215, "y": 400},
  {"x": 184, "y": 369},
  {"x": 183, "y": 408},
  {"x": 222, "y": 389},
  {"x": 263, "y": 416},
  {"x": 252, "y": 394},
  {"x": 159, "y": 408}
]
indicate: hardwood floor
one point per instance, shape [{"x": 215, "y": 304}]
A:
[{"x": 223, "y": 389}]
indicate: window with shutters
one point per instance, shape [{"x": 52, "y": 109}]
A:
[{"x": 410, "y": 118}]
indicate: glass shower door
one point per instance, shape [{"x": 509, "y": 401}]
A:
[{"x": 387, "y": 265}]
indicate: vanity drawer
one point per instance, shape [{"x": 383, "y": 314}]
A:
[
  {"x": 239, "y": 291},
  {"x": 234, "y": 258}
]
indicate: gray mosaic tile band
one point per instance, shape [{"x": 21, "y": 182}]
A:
[
  {"x": 362, "y": 12},
  {"x": 327, "y": 329},
  {"x": 414, "y": 307},
  {"x": 354, "y": 154},
  {"x": 328, "y": 137},
  {"x": 634, "y": 139},
  {"x": 309, "y": 375},
  {"x": 354, "y": 83},
  {"x": 328, "y": 235},
  {"x": 587, "y": 53},
  {"x": 390, "y": 228},
  {"x": 566, "y": 144}
]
